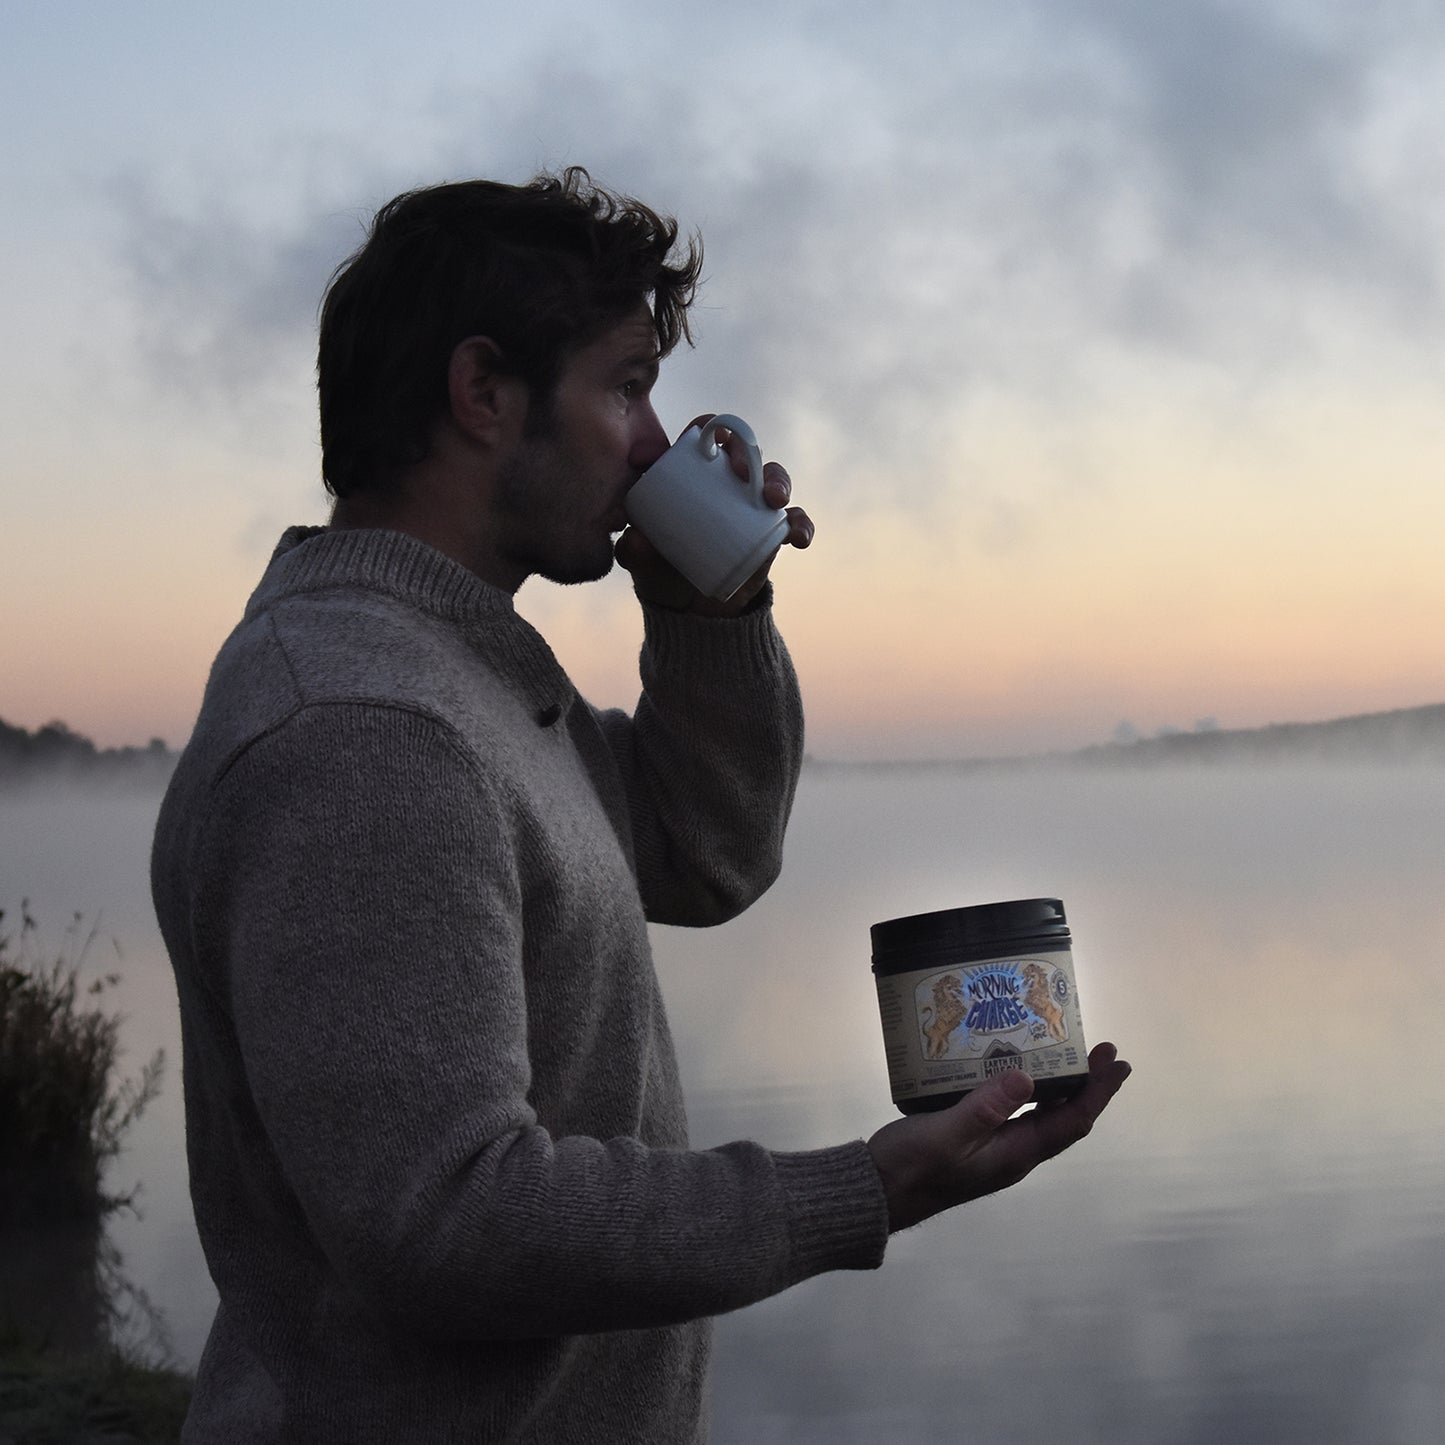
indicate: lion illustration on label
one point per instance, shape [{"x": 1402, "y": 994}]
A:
[
  {"x": 1040, "y": 1000},
  {"x": 947, "y": 1011},
  {"x": 959, "y": 1011}
]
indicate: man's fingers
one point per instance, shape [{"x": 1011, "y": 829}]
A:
[
  {"x": 633, "y": 549},
  {"x": 932, "y": 1161},
  {"x": 1057, "y": 1126},
  {"x": 653, "y": 576},
  {"x": 777, "y": 485},
  {"x": 732, "y": 445},
  {"x": 737, "y": 453}
]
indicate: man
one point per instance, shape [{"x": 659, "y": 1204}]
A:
[{"x": 438, "y": 1154}]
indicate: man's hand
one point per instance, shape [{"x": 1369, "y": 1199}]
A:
[
  {"x": 931, "y": 1162},
  {"x": 658, "y": 581}
]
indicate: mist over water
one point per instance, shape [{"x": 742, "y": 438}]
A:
[{"x": 1249, "y": 1244}]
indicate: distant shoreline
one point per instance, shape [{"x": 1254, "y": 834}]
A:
[
  {"x": 55, "y": 754},
  {"x": 1403, "y": 736}
]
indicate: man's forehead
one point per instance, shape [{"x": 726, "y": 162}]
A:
[{"x": 628, "y": 345}]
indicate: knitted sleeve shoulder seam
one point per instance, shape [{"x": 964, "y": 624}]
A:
[{"x": 445, "y": 729}]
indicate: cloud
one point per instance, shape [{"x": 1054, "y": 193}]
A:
[
  {"x": 222, "y": 302},
  {"x": 909, "y": 210},
  {"x": 1243, "y": 133}
]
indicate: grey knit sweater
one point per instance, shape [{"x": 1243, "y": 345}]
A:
[{"x": 437, "y": 1146}]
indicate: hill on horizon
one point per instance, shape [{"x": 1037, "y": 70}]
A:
[{"x": 1403, "y": 735}]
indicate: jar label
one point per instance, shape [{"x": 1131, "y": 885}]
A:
[{"x": 948, "y": 1030}]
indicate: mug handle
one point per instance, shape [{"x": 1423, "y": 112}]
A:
[{"x": 738, "y": 427}]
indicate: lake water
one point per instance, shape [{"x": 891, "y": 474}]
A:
[{"x": 1249, "y": 1247}]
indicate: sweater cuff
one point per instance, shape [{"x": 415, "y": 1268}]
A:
[
  {"x": 683, "y": 643},
  {"x": 837, "y": 1210}
]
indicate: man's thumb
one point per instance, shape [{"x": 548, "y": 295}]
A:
[{"x": 993, "y": 1104}]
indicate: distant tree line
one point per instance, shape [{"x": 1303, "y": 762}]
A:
[{"x": 54, "y": 753}]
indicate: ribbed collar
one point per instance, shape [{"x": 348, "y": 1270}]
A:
[
  {"x": 318, "y": 559},
  {"x": 372, "y": 559}
]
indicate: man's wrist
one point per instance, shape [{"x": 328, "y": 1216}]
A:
[{"x": 701, "y": 606}]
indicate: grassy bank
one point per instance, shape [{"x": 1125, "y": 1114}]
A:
[
  {"x": 50, "y": 1398},
  {"x": 63, "y": 1116},
  {"x": 63, "y": 1297}
]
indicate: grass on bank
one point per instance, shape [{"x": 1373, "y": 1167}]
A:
[
  {"x": 63, "y": 1118},
  {"x": 47, "y": 1398}
]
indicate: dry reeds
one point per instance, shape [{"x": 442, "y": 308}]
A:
[{"x": 62, "y": 1118}]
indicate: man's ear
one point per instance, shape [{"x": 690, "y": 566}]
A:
[{"x": 488, "y": 403}]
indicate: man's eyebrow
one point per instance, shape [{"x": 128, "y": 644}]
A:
[{"x": 648, "y": 361}]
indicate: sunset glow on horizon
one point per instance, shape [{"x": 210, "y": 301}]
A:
[{"x": 1104, "y": 343}]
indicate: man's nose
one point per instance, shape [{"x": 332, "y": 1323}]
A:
[{"x": 649, "y": 441}]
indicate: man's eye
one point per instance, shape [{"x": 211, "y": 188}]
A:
[{"x": 629, "y": 388}]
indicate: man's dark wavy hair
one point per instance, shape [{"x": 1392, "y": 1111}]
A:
[{"x": 541, "y": 269}]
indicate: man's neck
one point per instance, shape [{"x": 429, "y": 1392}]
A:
[{"x": 440, "y": 515}]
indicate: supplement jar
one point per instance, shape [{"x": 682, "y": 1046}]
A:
[{"x": 968, "y": 992}]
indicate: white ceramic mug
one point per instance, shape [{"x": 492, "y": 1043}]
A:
[{"x": 691, "y": 505}]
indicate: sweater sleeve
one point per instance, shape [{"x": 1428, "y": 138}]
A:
[
  {"x": 710, "y": 762},
  {"x": 373, "y": 976}
]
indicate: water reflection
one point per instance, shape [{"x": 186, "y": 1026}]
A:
[
  {"x": 1238, "y": 1292},
  {"x": 1248, "y": 1247}
]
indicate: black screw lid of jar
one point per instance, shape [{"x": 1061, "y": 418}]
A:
[{"x": 956, "y": 928}]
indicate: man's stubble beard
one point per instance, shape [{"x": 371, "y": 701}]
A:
[{"x": 531, "y": 514}]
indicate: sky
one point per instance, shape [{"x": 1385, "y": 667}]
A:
[{"x": 1104, "y": 341}]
